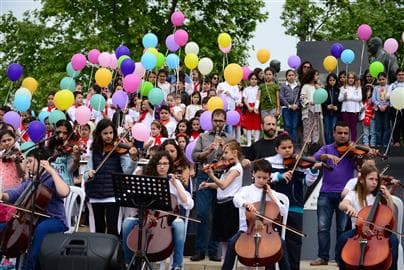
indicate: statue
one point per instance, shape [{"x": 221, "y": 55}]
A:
[
  {"x": 276, "y": 66},
  {"x": 389, "y": 61}
]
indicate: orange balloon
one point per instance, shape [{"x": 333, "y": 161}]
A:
[{"x": 263, "y": 56}]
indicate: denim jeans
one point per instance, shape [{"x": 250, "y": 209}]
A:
[
  {"x": 327, "y": 204},
  {"x": 178, "y": 229},
  {"x": 329, "y": 124},
  {"x": 383, "y": 130},
  {"x": 343, "y": 238},
  {"x": 369, "y": 134},
  {"x": 291, "y": 120}
]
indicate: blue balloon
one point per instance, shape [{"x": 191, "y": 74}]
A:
[
  {"x": 172, "y": 61},
  {"x": 71, "y": 72},
  {"x": 149, "y": 40},
  {"x": 121, "y": 50},
  {"x": 127, "y": 66},
  {"x": 156, "y": 96},
  {"x": 68, "y": 83},
  {"x": 347, "y": 56},
  {"x": 43, "y": 115},
  {"x": 14, "y": 72},
  {"x": 22, "y": 103},
  {"x": 149, "y": 61}
]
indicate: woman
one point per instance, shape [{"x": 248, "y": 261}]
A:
[{"x": 180, "y": 161}]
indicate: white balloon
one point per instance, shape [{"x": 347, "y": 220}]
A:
[
  {"x": 24, "y": 92},
  {"x": 397, "y": 98},
  {"x": 192, "y": 47},
  {"x": 205, "y": 65}
]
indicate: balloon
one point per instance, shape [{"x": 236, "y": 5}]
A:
[
  {"x": 120, "y": 99},
  {"x": 156, "y": 96},
  {"x": 188, "y": 151},
  {"x": 22, "y": 103},
  {"x": 336, "y": 50},
  {"x": 191, "y": 47},
  {"x": 205, "y": 65},
  {"x": 127, "y": 66},
  {"x": 149, "y": 61},
  {"x": 97, "y": 102},
  {"x": 153, "y": 51},
  {"x": 27, "y": 145},
  {"x": 93, "y": 56},
  {"x": 232, "y": 118},
  {"x": 171, "y": 44},
  {"x": 145, "y": 88},
  {"x": 364, "y": 32},
  {"x": 104, "y": 59},
  {"x": 206, "y": 120},
  {"x": 320, "y": 96},
  {"x": 225, "y": 103},
  {"x": 391, "y": 45},
  {"x": 246, "y": 73},
  {"x": 63, "y": 99},
  {"x": 149, "y": 40},
  {"x": 263, "y": 56},
  {"x": 139, "y": 70},
  {"x": 215, "y": 103},
  {"x": 103, "y": 77},
  {"x": 160, "y": 60},
  {"x": 224, "y": 40},
  {"x": 375, "y": 68},
  {"x": 83, "y": 115},
  {"x": 330, "y": 63},
  {"x": 226, "y": 49},
  {"x": 30, "y": 83},
  {"x": 141, "y": 132},
  {"x": 78, "y": 61},
  {"x": 191, "y": 60},
  {"x": 347, "y": 56},
  {"x": 43, "y": 115},
  {"x": 71, "y": 72},
  {"x": 172, "y": 61},
  {"x": 14, "y": 72},
  {"x": 233, "y": 74},
  {"x": 294, "y": 61},
  {"x": 113, "y": 61},
  {"x": 36, "y": 131},
  {"x": 23, "y": 91},
  {"x": 120, "y": 60},
  {"x": 131, "y": 83},
  {"x": 397, "y": 98},
  {"x": 56, "y": 116},
  {"x": 181, "y": 37},
  {"x": 12, "y": 118},
  {"x": 67, "y": 83},
  {"x": 177, "y": 18},
  {"x": 121, "y": 51}
]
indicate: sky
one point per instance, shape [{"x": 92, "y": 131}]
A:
[{"x": 269, "y": 34}]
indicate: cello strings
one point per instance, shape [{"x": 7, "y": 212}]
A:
[
  {"x": 280, "y": 224},
  {"x": 378, "y": 226}
]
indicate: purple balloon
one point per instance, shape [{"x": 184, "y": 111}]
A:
[
  {"x": 14, "y": 72},
  {"x": 121, "y": 50},
  {"x": 336, "y": 50},
  {"x": 13, "y": 119},
  {"x": 127, "y": 66},
  {"x": 170, "y": 43},
  {"x": 206, "y": 120},
  {"x": 188, "y": 151},
  {"x": 232, "y": 118},
  {"x": 294, "y": 61},
  {"x": 36, "y": 130},
  {"x": 120, "y": 99}
]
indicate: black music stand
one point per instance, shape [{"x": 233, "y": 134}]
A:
[{"x": 141, "y": 192}]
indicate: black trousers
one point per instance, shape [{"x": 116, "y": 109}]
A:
[
  {"x": 294, "y": 241},
  {"x": 106, "y": 216},
  {"x": 399, "y": 128}
]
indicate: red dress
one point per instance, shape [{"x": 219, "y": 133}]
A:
[{"x": 251, "y": 120}]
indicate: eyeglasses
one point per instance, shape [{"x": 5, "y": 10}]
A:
[
  {"x": 163, "y": 164},
  {"x": 218, "y": 121}
]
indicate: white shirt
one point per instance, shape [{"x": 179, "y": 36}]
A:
[
  {"x": 350, "y": 185},
  {"x": 352, "y": 197},
  {"x": 165, "y": 87},
  {"x": 232, "y": 94},
  {"x": 250, "y": 94},
  {"x": 191, "y": 110},
  {"x": 354, "y": 99},
  {"x": 234, "y": 186},
  {"x": 72, "y": 113},
  {"x": 171, "y": 126},
  {"x": 189, "y": 203}
]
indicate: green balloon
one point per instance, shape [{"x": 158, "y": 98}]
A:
[
  {"x": 156, "y": 96},
  {"x": 145, "y": 88},
  {"x": 71, "y": 72},
  {"x": 160, "y": 60},
  {"x": 55, "y": 116},
  {"x": 375, "y": 68},
  {"x": 320, "y": 96},
  {"x": 120, "y": 60},
  {"x": 97, "y": 101}
]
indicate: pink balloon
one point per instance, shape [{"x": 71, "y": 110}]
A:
[
  {"x": 181, "y": 37},
  {"x": 391, "y": 45},
  {"x": 225, "y": 50},
  {"x": 113, "y": 61},
  {"x": 364, "y": 32},
  {"x": 246, "y": 73},
  {"x": 131, "y": 83},
  {"x": 177, "y": 18},
  {"x": 78, "y": 61},
  {"x": 93, "y": 56},
  {"x": 83, "y": 115},
  {"x": 104, "y": 59},
  {"x": 141, "y": 132},
  {"x": 139, "y": 70}
]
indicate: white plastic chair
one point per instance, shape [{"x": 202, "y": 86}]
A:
[
  {"x": 70, "y": 202},
  {"x": 399, "y": 228}
]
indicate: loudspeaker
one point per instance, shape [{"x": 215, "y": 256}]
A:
[{"x": 84, "y": 251}]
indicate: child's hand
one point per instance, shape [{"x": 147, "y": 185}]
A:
[
  {"x": 45, "y": 164},
  {"x": 203, "y": 185},
  {"x": 350, "y": 211},
  {"x": 250, "y": 207},
  {"x": 287, "y": 176}
]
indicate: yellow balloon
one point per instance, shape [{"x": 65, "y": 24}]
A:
[
  {"x": 224, "y": 40},
  {"x": 263, "y": 56},
  {"x": 215, "y": 103},
  {"x": 63, "y": 99},
  {"x": 30, "y": 83},
  {"x": 330, "y": 63},
  {"x": 103, "y": 77},
  {"x": 233, "y": 74},
  {"x": 153, "y": 51},
  {"x": 191, "y": 61}
]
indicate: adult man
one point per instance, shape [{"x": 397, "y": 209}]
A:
[{"x": 208, "y": 148}]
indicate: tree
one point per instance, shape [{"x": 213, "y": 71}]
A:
[
  {"x": 44, "y": 41},
  {"x": 339, "y": 20}
]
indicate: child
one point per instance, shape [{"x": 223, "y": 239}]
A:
[
  {"x": 162, "y": 82},
  {"x": 146, "y": 113},
  {"x": 182, "y": 127},
  {"x": 331, "y": 107},
  {"x": 268, "y": 93},
  {"x": 380, "y": 99},
  {"x": 290, "y": 102},
  {"x": 365, "y": 192},
  {"x": 158, "y": 134},
  {"x": 78, "y": 101},
  {"x": 51, "y": 105},
  {"x": 291, "y": 185},
  {"x": 195, "y": 105},
  {"x": 369, "y": 132},
  {"x": 181, "y": 165},
  {"x": 99, "y": 186},
  {"x": 182, "y": 140},
  {"x": 162, "y": 165},
  {"x": 166, "y": 120},
  {"x": 195, "y": 128},
  {"x": 341, "y": 78},
  {"x": 244, "y": 200},
  {"x": 178, "y": 110},
  {"x": 251, "y": 118}
]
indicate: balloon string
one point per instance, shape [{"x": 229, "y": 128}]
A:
[
  {"x": 388, "y": 70},
  {"x": 363, "y": 49},
  {"x": 8, "y": 92},
  {"x": 346, "y": 70},
  {"x": 89, "y": 81},
  {"x": 391, "y": 134}
]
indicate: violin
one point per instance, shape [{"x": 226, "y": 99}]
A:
[
  {"x": 12, "y": 154},
  {"x": 358, "y": 151},
  {"x": 120, "y": 149},
  {"x": 220, "y": 165},
  {"x": 303, "y": 162}
]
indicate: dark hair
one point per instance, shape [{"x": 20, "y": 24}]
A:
[
  {"x": 271, "y": 69},
  {"x": 382, "y": 74},
  {"x": 151, "y": 168},
  {"x": 290, "y": 70},
  {"x": 197, "y": 94},
  {"x": 163, "y": 71},
  {"x": 327, "y": 85},
  {"x": 205, "y": 100},
  {"x": 252, "y": 74},
  {"x": 186, "y": 124},
  {"x": 308, "y": 77},
  {"x": 340, "y": 74},
  {"x": 76, "y": 93},
  {"x": 219, "y": 112},
  {"x": 399, "y": 70},
  {"x": 163, "y": 129},
  {"x": 198, "y": 113},
  {"x": 340, "y": 124},
  {"x": 56, "y": 141},
  {"x": 164, "y": 107},
  {"x": 39, "y": 153},
  {"x": 261, "y": 165},
  {"x": 181, "y": 161},
  {"x": 98, "y": 143},
  {"x": 281, "y": 138},
  {"x": 7, "y": 132},
  {"x": 5, "y": 108}
]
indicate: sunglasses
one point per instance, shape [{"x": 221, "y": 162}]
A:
[{"x": 306, "y": 66}]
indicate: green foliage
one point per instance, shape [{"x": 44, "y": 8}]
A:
[{"x": 44, "y": 41}]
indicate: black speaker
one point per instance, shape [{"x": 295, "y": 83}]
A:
[{"x": 84, "y": 251}]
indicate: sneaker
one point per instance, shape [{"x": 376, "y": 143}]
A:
[
  {"x": 318, "y": 262},
  {"x": 197, "y": 257}
]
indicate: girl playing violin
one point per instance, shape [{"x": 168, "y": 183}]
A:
[
  {"x": 364, "y": 194},
  {"x": 162, "y": 165}
]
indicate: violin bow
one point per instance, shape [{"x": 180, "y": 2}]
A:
[
  {"x": 176, "y": 215},
  {"x": 350, "y": 147},
  {"x": 302, "y": 150},
  {"x": 23, "y": 209},
  {"x": 378, "y": 226}
]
